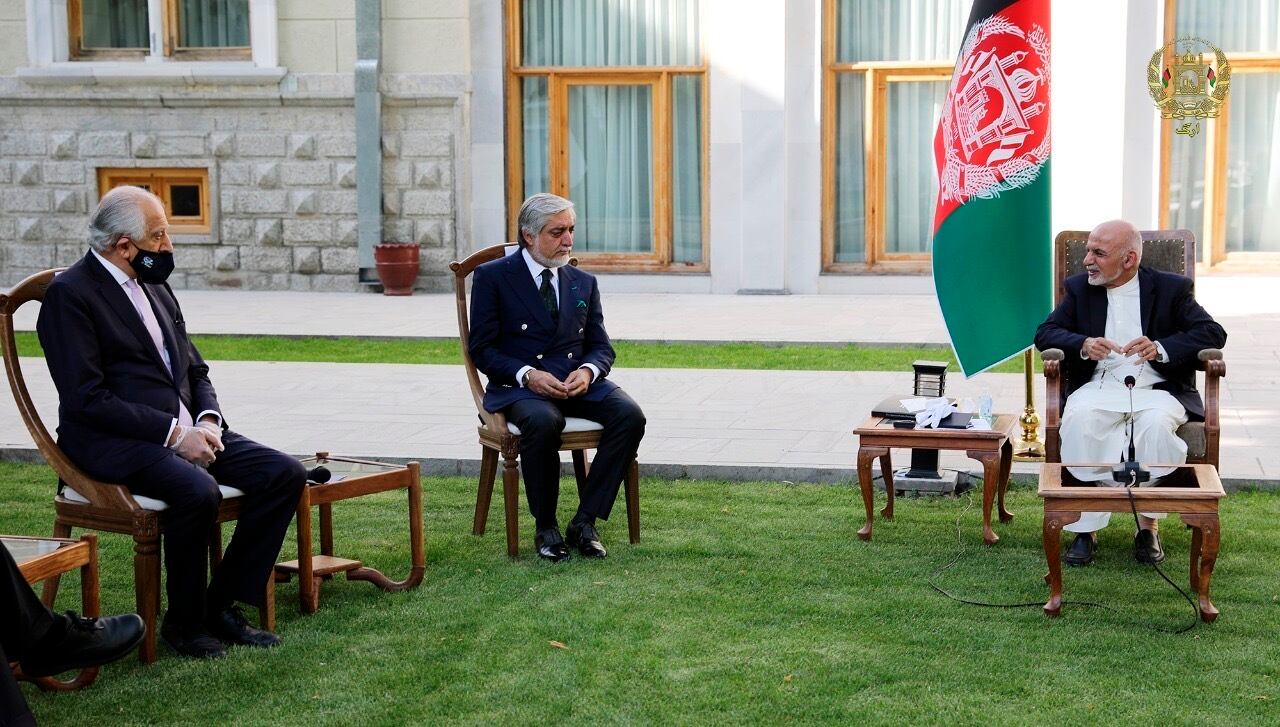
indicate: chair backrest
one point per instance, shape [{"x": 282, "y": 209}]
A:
[
  {"x": 461, "y": 271},
  {"x": 1172, "y": 251},
  {"x": 97, "y": 493}
]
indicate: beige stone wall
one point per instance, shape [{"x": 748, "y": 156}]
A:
[
  {"x": 419, "y": 36},
  {"x": 13, "y": 36}
]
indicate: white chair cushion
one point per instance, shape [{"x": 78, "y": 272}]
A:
[
  {"x": 148, "y": 503},
  {"x": 571, "y": 424}
]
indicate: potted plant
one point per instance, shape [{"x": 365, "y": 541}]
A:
[{"x": 397, "y": 264}]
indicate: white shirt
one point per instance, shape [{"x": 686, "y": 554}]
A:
[
  {"x": 535, "y": 269},
  {"x": 123, "y": 280},
  {"x": 1124, "y": 324}
]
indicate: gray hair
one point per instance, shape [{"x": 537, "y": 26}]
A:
[
  {"x": 118, "y": 215},
  {"x": 536, "y": 210}
]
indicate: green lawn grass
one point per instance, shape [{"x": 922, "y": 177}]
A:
[
  {"x": 744, "y": 603},
  {"x": 636, "y": 355}
]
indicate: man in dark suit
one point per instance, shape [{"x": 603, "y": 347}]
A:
[
  {"x": 1120, "y": 320},
  {"x": 48, "y": 643},
  {"x": 537, "y": 333},
  {"x": 128, "y": 380}
]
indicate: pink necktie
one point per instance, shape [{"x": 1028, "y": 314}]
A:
[{"x": 143, "y": 306}]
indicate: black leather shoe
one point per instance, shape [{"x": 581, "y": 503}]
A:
[
  {"x": 86, "y": 642},
  {"x": 550, "y": 545},
  {"x": 230, "y": 625},
  {"x": 192, "y": 641},
  {"x": 586, "y": 540},
  {"x": 1146, "y": 547},
  {"x": 1081, "y": 550}
]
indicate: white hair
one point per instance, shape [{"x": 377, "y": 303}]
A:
[
  {"x": 536, "y": 210},
  {"x": 119, "y": 214}
]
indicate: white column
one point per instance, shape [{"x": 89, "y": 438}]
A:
[
  {"x": 748, "y": 150},
  {"x": 1105, "y": 130},
  {"x": 487, "y": 208}
]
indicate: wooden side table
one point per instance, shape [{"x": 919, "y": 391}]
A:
[
  {"x": 351, "y": 478},
  {"x": 41, "y": 558},
  {"x": 1192, "y": 491},
  {"x": 993, "y": 448}
]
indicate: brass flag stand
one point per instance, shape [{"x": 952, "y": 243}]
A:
[{"x": 1029, "y": 448}]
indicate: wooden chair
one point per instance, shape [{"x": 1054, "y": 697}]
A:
[
  {"x": 1167, "y": 250},
  {"x": 497, "y": 435},
  {"x": 84, "y": 502}
]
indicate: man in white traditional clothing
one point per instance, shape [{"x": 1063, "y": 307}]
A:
[{"x": 1118, "y": 320}]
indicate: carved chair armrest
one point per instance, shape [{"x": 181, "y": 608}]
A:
[
  {"x": 1214, "y": 369},
  {"x": 1054, "y": 381}
]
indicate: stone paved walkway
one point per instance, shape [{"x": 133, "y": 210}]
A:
[{"x": 773, "y": 425}]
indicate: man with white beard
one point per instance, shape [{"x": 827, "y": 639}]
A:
[{"x": 1119, "y": 319}]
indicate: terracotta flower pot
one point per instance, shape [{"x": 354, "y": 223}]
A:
[{"x": 397, "y": 264}]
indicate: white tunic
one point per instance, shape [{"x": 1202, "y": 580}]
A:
[{"x": 1089, "y": 434}]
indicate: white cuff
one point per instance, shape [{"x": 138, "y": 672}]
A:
[
  {"x": 1163, "y": 357},
  {"x": 520, "y": 375},
  {"x": 169, "y": 433},
  {"x": 215, "y": 414},
  {"x": 595, "y": 371}
]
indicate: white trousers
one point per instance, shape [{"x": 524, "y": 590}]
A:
[{"x": 1094, "y": 430}]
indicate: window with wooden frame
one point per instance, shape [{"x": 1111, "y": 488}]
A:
[
  {"x": 184, "y": 191},
  {"x": 183, "y": 30},
  {"x": 606, "y": 106},
  {"x": 886, "y": 67},
  {"x": 1221, "y": 184}
]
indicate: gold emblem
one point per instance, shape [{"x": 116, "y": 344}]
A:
[{"x": 1188, "y": 79}]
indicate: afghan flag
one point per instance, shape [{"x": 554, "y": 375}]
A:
[{"x": 991, "y": 236}]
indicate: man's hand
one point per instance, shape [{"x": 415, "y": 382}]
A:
[
  {"x": 544, "y": 384},
  {"x": 211, "y": 427},
  {"x": 578, "y": 381},
  {"x": 195, "y": 445},
  {"x": 1098, "y": 348},
  {"x": 1142, "y": 347}
]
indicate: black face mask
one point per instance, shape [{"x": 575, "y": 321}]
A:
[{"x": 152, "y": 267}]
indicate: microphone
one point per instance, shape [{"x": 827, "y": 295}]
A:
[
  {"x": 319, "y": 475},
  {"x": 1129, "y": 471}
]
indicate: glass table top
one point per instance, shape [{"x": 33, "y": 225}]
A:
[
  {"x": 26, "y": 549},
  {"x": 334, "y": 469}
]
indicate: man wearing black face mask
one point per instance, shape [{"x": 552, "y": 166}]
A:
[{"x": 129, "y": 380}]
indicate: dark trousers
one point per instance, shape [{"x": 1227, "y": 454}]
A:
[
  {"x": 541, "y": 421},
  {"x": 272, "y": 483},
  {"x": 24, "y": 622}
]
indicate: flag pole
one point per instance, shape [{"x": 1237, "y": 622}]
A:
[{"x": 1030, "y": 448}]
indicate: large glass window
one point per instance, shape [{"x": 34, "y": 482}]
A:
[
  {"x": 887, "y": 69},
  {"x": 607, "y": 109},
  {"x": 1224, "y": 184},
  {"x": 185, "y": 28}
]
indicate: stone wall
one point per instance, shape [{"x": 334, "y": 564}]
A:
[{"x": 281, "y": 177}]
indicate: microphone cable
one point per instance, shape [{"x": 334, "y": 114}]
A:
[
  {"x": 932, "y": 580},
  {"x": 1195, "y": 608}
]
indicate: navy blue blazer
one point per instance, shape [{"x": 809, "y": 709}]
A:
[
  {"x": 116, "y": 399},
  {"x": 1170, "y": 316},
  {"x": 511, "y": 329}
]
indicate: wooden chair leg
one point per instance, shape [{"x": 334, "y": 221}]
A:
[
  {"x": 511, "y": 503},
  {"x": 580, "y": 469},
  {"x": 632, "y": 487},
  {"x": 50, "y": 593},
  {"x": 146, "y": 576},
  {"x": 267, "y": 614},
  {"x": 215, "y": 546},
  {"x": 484, "y": 493}
]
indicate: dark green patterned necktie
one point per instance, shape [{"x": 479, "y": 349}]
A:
[{"x": 549, "y": 296}]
